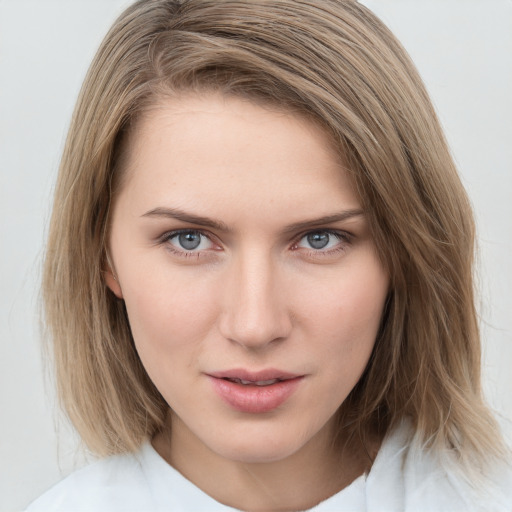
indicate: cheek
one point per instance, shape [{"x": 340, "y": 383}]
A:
[
  {"x": 349, "y": 300},
  {"x": 168, "y": 312},
  {"x": 344, "y": 314}
]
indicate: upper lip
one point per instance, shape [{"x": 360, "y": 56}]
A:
[{"x": 254, "y": 376}]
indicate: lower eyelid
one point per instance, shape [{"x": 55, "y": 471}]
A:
[
  {"x": 328, "y": 252},
  {"x": 180, "y": 252},
  {"x": 341, "y": 237},
  {"x": 344, "y": 241}
]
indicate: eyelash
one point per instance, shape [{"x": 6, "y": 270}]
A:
[
  {"x": 166, "y": 238},
  {"x": 344, "y": 238}
]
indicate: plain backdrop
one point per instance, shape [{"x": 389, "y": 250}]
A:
[{"x": 463, "y": 49}]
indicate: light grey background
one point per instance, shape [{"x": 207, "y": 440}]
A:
[{"x": 463, "y": 49}]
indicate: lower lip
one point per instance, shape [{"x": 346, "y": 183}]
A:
[{"x": 255, "y": 399}]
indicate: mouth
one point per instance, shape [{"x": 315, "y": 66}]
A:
[
  {"x": 255, "y": 392},
  {"x": 254, "y": 383},
  {"x": 251, "y": 377}
]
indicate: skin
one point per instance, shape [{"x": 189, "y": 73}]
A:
[{"x": 255, "y": 294}]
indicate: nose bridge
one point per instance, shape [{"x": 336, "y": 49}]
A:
[{"x": 254, "y": 313}]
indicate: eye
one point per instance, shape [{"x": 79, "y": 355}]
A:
[
  {"x": 189, "y": 240},
  {"x": 320, "y": 240}
]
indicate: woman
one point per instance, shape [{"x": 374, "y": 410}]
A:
[{"x": 258, "y": 282}]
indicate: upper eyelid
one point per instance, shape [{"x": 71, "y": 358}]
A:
[
  {"x": 169, "y": 234},
  {"x": 165, "y": 240},
  {"x": 332, "y": 231},
  {"x": 345, "y": 240}
]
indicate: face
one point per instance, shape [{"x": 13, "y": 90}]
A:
[{"x": 252, "y": 286}]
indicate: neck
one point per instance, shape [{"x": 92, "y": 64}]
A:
[{"x": 299, "y": 482}]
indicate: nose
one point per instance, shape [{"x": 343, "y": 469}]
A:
[{"x": 255, "y": 311}]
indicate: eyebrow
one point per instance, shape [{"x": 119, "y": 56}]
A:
[
  {"x": 176, "y": 213},
  {"x": 327, "y": 219}
]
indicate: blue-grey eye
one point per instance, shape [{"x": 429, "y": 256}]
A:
[
  {"x": 319, "y": 240},
  {"x": 190, "y": 241}
]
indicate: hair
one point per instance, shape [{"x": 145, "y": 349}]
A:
[{"x": 334, "y": 62}]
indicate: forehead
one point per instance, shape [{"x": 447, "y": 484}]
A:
[{"x": 211, "y": 150}]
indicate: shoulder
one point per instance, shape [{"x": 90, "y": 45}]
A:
[
  {"x": 129, "y": 482},
  {"x": 407, "y": 477},
  {"x": 114, "y": 483}
]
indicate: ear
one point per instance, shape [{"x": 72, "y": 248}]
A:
[
  {"x": 112, "y": 282},
  {"x": 111, "y": 278}
]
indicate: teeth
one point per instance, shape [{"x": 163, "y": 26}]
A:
[
  {"x": 255, "y": 383},
  {"x": 263, "y": 382}
]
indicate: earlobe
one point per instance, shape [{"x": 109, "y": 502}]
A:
[
  {"x": 112, "y": 282},
  {"x": 111, "y": 279}
]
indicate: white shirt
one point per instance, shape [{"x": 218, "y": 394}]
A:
[{"x": 401, "y": 479}]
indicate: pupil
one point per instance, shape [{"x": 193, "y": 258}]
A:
[
  {"x": 189, "y": 240},
  {"x": 318, "y": 240}
]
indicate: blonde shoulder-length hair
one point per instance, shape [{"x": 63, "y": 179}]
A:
[{"x": 336, "y": 63}]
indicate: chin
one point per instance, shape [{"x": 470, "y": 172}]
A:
[
  {"x": 260, "y": 448},
  {"x": 256, "y": 453}
]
